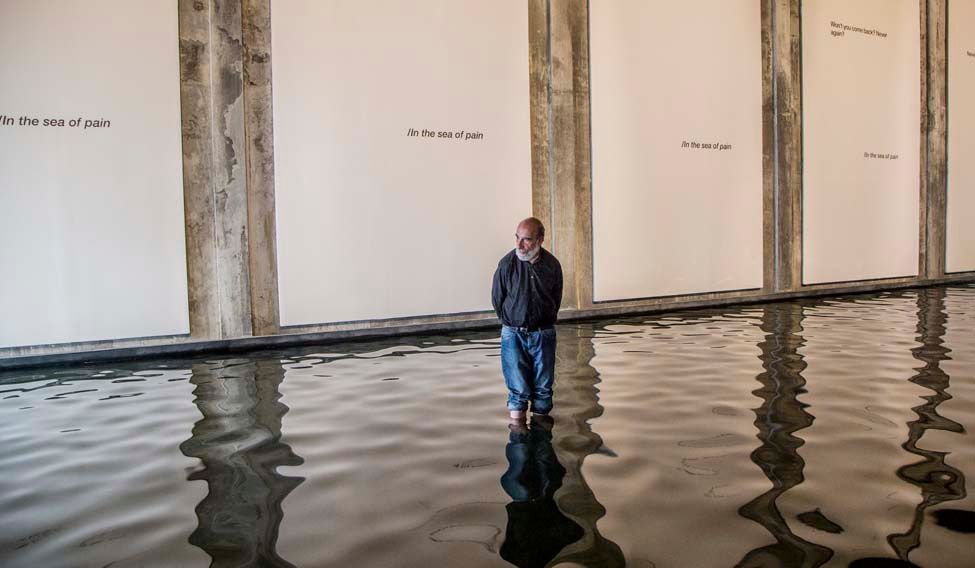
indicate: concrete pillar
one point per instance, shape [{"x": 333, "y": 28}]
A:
[
  {"x": 569, "y": 151},
  {"x": 768, "y": 150},
  {"x": 214, "y": 182},
  {"x": 935, "y": 138},
  {"x": 786, "y": 204},
  {"x": 259, "y": 136},
  {"x": 538, "y": 64}
]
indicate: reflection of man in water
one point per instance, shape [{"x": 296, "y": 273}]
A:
[
  {"x": 526, "y": 294},
  {"x": 537, "y": 529}
]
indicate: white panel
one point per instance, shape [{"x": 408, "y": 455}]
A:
[
  {"x": 861, "y": 139},
  {"x": 373, "y": 223},
  {"x": 960, "y": 238},
  {"x": 91, "y": 219},
  {"x": 670, "y": 217}
]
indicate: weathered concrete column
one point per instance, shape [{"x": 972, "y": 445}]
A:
[
  {"x": 935, "y": 138},
  {"x": 768, "y": 149},
  {"x": 569, "y": 152},
  {"x": 922, "y": 256},
  {"x": 787, "y": 101},
  {"x": 259, "y": 134},
  {"x": 538, "y": 64},
  {"x": 214, "y": 183}
]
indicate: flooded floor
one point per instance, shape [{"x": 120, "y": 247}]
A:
[{"x": 830, "y": 432}]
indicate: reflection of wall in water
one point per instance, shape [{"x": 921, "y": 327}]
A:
[
  {"x": 576, "y": 404},
  {"x": 239, "y": 442},
  {"x": 782, "y": 415},
  {"x": 779, "y": 417},
  {"x": 938, "y": 481}
]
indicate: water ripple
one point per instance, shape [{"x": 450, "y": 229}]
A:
[{"x": 808, "y": 433}]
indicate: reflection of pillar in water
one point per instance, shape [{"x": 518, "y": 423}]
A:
[
  {"x": 938, "y": 481},
  {"x": 779, "y": 417},
  {"x": 577, "y": 403},
  {"x": 239, "y": 442}
]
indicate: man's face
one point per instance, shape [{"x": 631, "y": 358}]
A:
[{"x": 526, "y": 243}]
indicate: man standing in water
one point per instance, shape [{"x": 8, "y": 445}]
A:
[{"x": 526, "y": 294}]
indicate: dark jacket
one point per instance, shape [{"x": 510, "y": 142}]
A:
[{"x": 525, "y": 294}]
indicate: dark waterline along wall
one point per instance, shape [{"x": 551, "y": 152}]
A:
[{"x": 226, "y": 65}]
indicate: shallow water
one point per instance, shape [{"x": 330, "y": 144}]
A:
[{"x": 812, "y": 433}]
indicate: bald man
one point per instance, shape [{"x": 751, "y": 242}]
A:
[{"x": 527, "y": 294}]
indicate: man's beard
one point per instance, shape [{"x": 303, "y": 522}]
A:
[{"x": 529, "y": 255}]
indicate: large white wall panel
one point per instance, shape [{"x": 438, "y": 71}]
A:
[
  {"x": 960, "y": 238},
  {"x": 673, "y": 83},
  {"x": 374, "y": 223},
  {"x": 91, "y": 219},
  {"x": 861, "y": 96}
]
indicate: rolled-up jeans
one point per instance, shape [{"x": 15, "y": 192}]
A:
[{"x": 528, "y": 364}]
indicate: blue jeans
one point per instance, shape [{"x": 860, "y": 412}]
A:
[{"x": 528, "y": 364}]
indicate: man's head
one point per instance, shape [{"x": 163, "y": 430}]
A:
[{"x": 529, "y": 237}]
